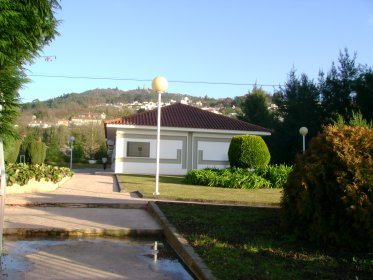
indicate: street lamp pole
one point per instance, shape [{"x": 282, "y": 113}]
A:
[
  {"x": 303, "y": 131},
  {"x": 72, "y": 138},
  {"x": 2, "y": 190},
  {"x": 159, "y": 85}
]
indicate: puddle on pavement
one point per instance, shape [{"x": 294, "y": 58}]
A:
[{"x": 86, "y": 258}]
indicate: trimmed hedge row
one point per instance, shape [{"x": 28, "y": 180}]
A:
[
  {"x": 271, "y": 176},
  {"x": 21, "y": 173}
]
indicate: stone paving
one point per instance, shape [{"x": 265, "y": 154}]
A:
[
  {"x": 89, "y": 205},
  {"x": 86, "y": 203}
]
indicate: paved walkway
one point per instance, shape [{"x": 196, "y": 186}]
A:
[{"x": 89, "y": 203}]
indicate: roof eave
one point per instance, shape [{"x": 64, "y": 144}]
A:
[{"x": 188, "y": 129}]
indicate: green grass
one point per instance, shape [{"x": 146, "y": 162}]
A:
[
  {"x": 247, "y": 243},
  {"x": 173, "y": 188}
]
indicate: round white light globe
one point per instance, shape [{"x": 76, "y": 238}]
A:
[
  {"x": 159, "y": 84},
  {"x": 303, "y": 130}
]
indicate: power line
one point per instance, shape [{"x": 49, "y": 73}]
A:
[{"x": 149, "y": 80}]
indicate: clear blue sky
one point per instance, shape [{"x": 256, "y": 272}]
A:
[{"x": 238, "y": 41}]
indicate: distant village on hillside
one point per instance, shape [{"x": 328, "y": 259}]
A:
[{"x": 91, "y": 119}]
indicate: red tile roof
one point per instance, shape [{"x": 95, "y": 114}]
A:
[{"x": 184, "y": 116}]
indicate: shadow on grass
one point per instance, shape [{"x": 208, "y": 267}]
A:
[{"x": 247, "y": 243}]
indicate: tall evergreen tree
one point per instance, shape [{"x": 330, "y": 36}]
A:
[
  {"x": 299, "y": 106},
  {"x": 338, "y": 89}
]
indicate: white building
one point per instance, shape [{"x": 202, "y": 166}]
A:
[{"x": 191, "y": 138}]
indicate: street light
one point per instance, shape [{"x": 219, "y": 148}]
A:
[
  {"x": 159, "y": 85},
  {"x": 303, "y": 131},
  {"x": 72, "y": 138},
  {"x": 2, "y": 190}
]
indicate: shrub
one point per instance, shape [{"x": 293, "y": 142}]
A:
[
  {"x": 36, "y": 151},
  {"x": 21, "y": 173},
  {"x": 248, "y": 151},
  {"x": 11, "y": 150},
  {"x": 237, "y": 178},
  {"x": 200, "y": 176},
  {"x": 329, "y": 195},
  {"x": 277, "y": 175},
  {"x": 54, "y": 154}
]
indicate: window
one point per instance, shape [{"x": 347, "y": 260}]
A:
[{"x": 138, "y": 149}]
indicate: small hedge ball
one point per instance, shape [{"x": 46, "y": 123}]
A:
[{"x": 248, "y": 151}]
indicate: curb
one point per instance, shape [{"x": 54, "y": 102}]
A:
[
  {"x": 79, "y": 205},
  {"x": 181, "y": 245}
]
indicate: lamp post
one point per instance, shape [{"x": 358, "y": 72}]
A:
[
  {"x": 2, "y": 189},
  {"x": 303, "y": 131},
  {"x": 72, "y": 138},
  {"x": 159, "y": 85}
]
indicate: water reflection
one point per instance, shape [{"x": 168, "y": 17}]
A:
[{"x": 98, "y": 258}]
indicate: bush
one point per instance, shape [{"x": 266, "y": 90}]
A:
[
  {"x": 248, "y": 151},
  {"x": 54, "y": 154},
  {"x": 11, "y": 150},
  {"x": 329, "y": 195},
  {"x": 21, "y": 173},
  {"x": 36, "y": 151},
  {"x": 238, "y": 178},
  {"x": 277, "y": 175},
  {"x": 201, "y": 177}
]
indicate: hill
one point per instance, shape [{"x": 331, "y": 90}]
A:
[{"x": 113, "y": 102}]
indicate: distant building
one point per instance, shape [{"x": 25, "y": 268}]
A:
[
  {"x": 88, "y": 119},
  {"x": 63, "y": 122},
  {"x": 185, "y": 100},
  {"x": 40, "y": 124},
  {"x": 211, "y": 110}
]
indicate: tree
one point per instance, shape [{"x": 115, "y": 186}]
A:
[
  {"x": 337, "y": 89},
  {"x": 364, "y": 95},
  {"x": 255, "y": 108},
  {"x": 298, "y": 105},
  {"x": 26, "y": 27}
]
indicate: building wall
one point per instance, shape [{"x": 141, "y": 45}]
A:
[{"x": 179, "y": 151}]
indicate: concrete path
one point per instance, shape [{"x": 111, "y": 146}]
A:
[{"x": 86, "y": 204}]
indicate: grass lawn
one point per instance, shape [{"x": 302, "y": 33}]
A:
[
  {"x": 173, "y": 188},
  {"x": 246, "y": 243}
]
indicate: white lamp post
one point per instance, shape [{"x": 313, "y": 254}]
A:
[
  {"x": 303, "y": 131},
  {"x": 72, "y": 138},
  {"x": 159, "y": 85},
  {"x": 2, "y": 190}
]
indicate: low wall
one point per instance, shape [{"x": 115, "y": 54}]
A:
[{"x": 34, "y": 186}]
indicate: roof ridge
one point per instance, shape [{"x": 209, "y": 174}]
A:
[{"x": 185, "y": 116}]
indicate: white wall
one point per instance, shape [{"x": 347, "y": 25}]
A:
[
  {"x": 135, "y": 165},
  {"x": 214, "y": 150}
]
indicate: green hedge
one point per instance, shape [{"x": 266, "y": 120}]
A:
[
  {"x": 271, "y": 176},
  {"x": 36, "y": 152},
  {"x": 248, "y": 151},
  {"x": 21, "y": 173}
]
